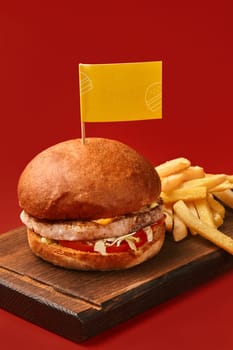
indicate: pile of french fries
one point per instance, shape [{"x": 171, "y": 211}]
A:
[{"x": 194, "y": 201}]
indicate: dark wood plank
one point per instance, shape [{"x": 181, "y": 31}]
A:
[{"x": 86, "y": 303}]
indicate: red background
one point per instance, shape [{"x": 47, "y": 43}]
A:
[{"x": 41, "y": 44}]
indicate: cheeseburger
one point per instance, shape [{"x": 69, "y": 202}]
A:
[{"x": 92, "y": 206}]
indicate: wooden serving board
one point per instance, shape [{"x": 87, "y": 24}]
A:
[{"x": 78, "y": 305}]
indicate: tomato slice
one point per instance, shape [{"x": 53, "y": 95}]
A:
[
  {"x": 122, "y": 247},
  {"x": 78, "y": 245}
]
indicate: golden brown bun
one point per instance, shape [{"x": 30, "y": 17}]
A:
[
  {"x": 103, "y": 178},
  {"x": 78, "y": 260}
]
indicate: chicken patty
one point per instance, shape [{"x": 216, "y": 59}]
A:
[{"x": 88, "y": 230}]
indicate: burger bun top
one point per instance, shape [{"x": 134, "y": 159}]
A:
[{"x": 101, "y": 178}]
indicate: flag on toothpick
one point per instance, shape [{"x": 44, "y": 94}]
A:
[{"x": 120, "y": 91}]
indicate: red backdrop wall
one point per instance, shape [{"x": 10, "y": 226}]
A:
[{"x": 42, "y": 44}]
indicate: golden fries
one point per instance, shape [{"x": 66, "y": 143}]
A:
[
  {"x": 193, "y": 210},
  {"x": 230, "y": 178},
  {"x": 204, "y": 211},
  {"x": 173, "y": 181},
  {"x": 193, "y": 172},
  {"x": 226, "y": 197},
  {"x": 187, "y": 194},
  {"x": 194, "y": 201},
  {"x": 180, "y": 230},
  {"x": 172, "y": 166},
  {"x": 226, "y": 185},
  {"x": 168, "y": 217},
  {"x": 212, "y": 234},
  {"x": 215, "y": 205},
  {"x": 208, "y": 181},
  {"x": 218, "y": 220}
]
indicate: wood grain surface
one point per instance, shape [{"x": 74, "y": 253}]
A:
[{"x": 78, "y": 305}]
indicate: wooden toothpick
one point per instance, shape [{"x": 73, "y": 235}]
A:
[{"x": 83, "y": 132}]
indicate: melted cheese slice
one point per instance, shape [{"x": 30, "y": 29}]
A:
[{"x": 104, "y": 221}]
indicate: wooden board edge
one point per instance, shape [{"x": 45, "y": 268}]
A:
[
  {"x": 91, "y": 322},
  {"x": 15, "y": 299},
  {"x": 149, "y": 295}
]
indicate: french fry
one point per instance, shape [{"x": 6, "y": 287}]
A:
[
  {"x": 218, "y": 220},
  {"x": 195, "y": 201},
  {"x": 230, "y": 178},
  {"x": 193, "y": 209},
  {"x": 225, "y": 197},
  {"x": 186, "y": 194},
  {"x": 180, "y": 230},
  {"x": 215, "y": 205},
  {"x": 171, "y": 182},
  {"x": 204, "y": 212},
  {"x": 210, "y": 233},
  {"x": 193, "y": 172},
  {"x": 172, "y": 166},
  {"x": 208, "y": 181},
  {"x": 169, "y": 217},
  {"x": 226, "y": 185}
]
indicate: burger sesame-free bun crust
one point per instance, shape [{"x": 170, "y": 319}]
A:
[
  {"x": 98, "y": 179},
  {"x": 78, "y": 260}
]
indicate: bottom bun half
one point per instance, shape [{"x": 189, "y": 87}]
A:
[{"x": 79, "y": 260}]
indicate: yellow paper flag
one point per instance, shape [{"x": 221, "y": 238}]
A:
[{"x": 120, "y": 91}]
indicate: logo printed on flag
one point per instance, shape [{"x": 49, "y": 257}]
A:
[
  {"x": 153, "y": 96},
  {"x": 85, "y": 83},
  {"x": 120, "y": 91}
]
